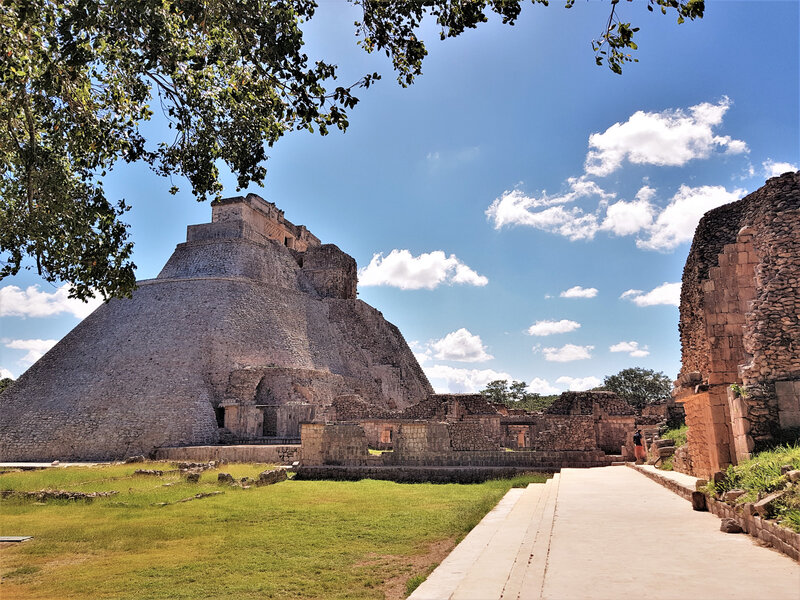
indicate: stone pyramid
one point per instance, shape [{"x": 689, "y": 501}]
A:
[{"x": 251, "y": 327}]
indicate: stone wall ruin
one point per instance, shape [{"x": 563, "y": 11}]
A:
[
  {"x": 465, "y": 430},
  {"x": 740, "y": 326},
  {"x": 251, "y": 328}
]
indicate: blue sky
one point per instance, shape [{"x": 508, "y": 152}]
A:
[{"x": 518, "y": 212}]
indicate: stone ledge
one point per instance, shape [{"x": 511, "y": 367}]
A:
[
  {"x": 412, "y": 474},
  {"x": 782, "y": 539},
  {"x": 284, "y": 454}
]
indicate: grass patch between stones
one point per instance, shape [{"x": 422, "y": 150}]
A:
[
  {"x": 761, "y": 475},
  {"x": 677, "y": 435}
]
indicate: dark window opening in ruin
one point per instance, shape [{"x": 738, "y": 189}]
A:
[
  {"x": 219, "y": 413},
  {"x": 270, "y": 421},
  {"x": 300, "y": 262},
  {"x": 286, "y": 242}
]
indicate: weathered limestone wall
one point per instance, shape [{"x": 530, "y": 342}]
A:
[
  {"x": 232, "y": 323},
  {"x": 612, "y": 432},
  {"x": 281, "y": 455},
  {"x": 708, "y": 448},
  {"x": 419, "y": 444},
  {"x": 419, "y": 438},
  {"x": 588, "y": 403},
  {"x": 262, "y": 219},
  {"x": 564, "y": 432},
  {"x": 740, "y": 324},
  {"x": 340, "y": 444},
  {"x": 332, "y": 272},
  {"x": 582, "y": 421},
  {"x": 380, "y": 433},
  {"x": 471, "y": 435}
]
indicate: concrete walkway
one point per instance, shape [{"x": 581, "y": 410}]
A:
[{"x": 606, "y": 533}]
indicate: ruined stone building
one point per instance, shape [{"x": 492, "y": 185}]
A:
[
  {"x": 252, "y": 334},
  {"x": 740, "y": 326},
  {"x": 251, "y": 327},
  {"x": 581, "y": 429}
]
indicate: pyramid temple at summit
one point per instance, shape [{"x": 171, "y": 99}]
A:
[{"x": 252, "y": 327}]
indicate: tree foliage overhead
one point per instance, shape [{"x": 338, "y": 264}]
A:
[
  {"x": 80, "y": 78},
  {"x": 639, "y": 386}
]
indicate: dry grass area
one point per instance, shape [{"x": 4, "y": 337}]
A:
[{"x": 295, "y": 539}]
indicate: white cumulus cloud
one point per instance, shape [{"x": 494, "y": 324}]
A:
[
  {"x": 661, "y": 229},
  {"x": 461, "y": 345},
  {"x": 666, "y": 293},
  {"x": 452, "y": 380},
  {"x": 5, "y": 373},
  {"x": 632, "y": 348},
  {"x": 428, "y": 270},
  {"x": 579, "y": 384},
  {"x": 579, "y": 292},
  {"x": 35, "y": 348},
  {"x": 677, "y": 222},
  {"x": 537, "y": 385},
  {"x": 567, "y": 353},
  {"x": 32, "y": 302},
  {"x": 627, "y": 218},
  {"x": 553, "y": 327},
  {"x": 572, "y": 223},
  {"x": 513, "y": 207},
  {"x": 668, "y": 138},
  {"x": 774, "y": 168}
]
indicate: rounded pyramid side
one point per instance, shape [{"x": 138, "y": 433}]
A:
[{"x": 148, "y": 371}]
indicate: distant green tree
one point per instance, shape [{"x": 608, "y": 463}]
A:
[
  {"x": 496, "y": 391},
  {"x": 515, "y": 395},
  {"x": 5, "y": 383},
  {"x": 639, "y": 386}
]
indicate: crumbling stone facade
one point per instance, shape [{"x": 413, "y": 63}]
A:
[
  {"x": 251, "y": 328},
  {"x": 448, "y": 430},
  {"x": 740, "y": 326}
]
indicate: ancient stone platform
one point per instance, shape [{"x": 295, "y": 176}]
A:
[
  {"x": 252, "y": 327},
  {"x": 606, "y": 533}
]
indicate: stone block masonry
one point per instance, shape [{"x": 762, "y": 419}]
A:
[
  {"x": 279, "y": 455},
  {"x": 426, "y": 444},
  {"x": 252, "y": 316},
  {"x": 740, "y": 326}
]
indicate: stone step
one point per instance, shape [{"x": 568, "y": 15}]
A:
[
  {"x": 535, "y": 544},
  {"x": 533, "y": 578},
  {"x": 441, "y": 583},
  {"x": 489, "y": 574}
]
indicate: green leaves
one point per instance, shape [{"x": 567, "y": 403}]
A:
[
  {"x": 618, "y": 36},
  {"x": 79, "y": 78},
  {"x": 639, "y": 386},
  {"x": 78, "y": 81}
]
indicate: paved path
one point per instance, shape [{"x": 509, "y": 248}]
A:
[{"x": 606, "y": 533}]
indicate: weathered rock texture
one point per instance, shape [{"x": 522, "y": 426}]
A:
[
  {"x": 252, "y": 322},
  {"x": 462, "y": 428},
  {"x": 740, "y": 324}
]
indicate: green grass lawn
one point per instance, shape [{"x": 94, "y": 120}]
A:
[{"x": 295, "y": 539}]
